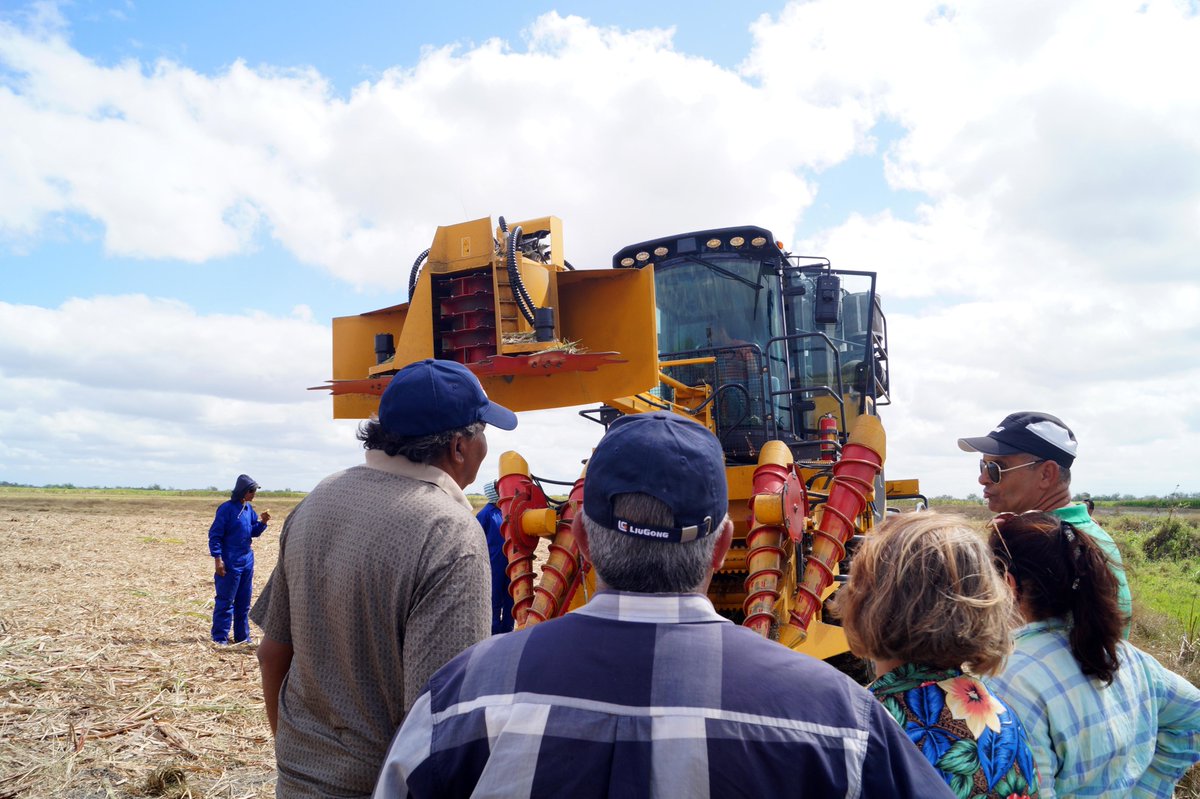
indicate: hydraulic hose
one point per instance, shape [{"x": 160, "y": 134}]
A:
[
  {"x": 416, "y": 272},
  {"x": 520, "y": 294}
]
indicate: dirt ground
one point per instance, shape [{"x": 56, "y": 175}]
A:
[{"x": 109, "y": 686}]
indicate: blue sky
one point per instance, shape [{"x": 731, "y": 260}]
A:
[
  {"x": 188, "y": 193},
  {"x": 354, "y": 42}
]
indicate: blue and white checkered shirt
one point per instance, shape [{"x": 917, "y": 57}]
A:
[
  {"x": 648, "y": 695},
  {"x": 1135, "y": 737}
]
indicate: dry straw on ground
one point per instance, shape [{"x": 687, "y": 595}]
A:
[{"x": 109, "y": 686}]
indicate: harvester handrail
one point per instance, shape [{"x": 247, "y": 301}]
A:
[
  {"x": 821, "y": 388},
  {"x": 687, "y": 361}
]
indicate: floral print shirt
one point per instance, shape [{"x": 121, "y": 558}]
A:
[{"x": 971, "y": 737}]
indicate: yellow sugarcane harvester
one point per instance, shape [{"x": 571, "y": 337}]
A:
[{"x": 783, "y": 357}]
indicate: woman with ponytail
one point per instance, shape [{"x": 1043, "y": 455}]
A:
[{"x": 1103, "y": 717}]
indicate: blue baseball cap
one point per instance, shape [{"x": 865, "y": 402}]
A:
[
  {"x": 667, "y": 457},
  {"x": 430, "y": 396}
]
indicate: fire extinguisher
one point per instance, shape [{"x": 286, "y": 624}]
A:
[{"x": 827, "y": 426}]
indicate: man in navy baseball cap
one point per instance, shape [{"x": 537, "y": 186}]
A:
[
  {"x": 667, "y": 457},
  {"x": 646, "y": 690},
  {"x": 386, "y": 579},
  {"x": 1025, "y": 465},
  {"x": 430, "y": 396}
]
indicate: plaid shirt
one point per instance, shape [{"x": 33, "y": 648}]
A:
[
  {"x": 648, "y": 695},
  {"x": 1135, "y": 737}
]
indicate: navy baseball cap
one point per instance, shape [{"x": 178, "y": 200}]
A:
[
  {"x": 667, "y": 457},
  {"x": 1030, "y": 432},
  {"x": 430, "y": 396}
]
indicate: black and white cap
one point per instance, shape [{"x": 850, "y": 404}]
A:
[{"x": 1032, "y": 432}]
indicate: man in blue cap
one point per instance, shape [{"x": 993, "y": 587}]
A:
[
  {"x": 233, "y": 530},
  {"x": 382, "y": 577},
  {"x": 1025, "y": 464},
  {"x": 646, "y": 690}
]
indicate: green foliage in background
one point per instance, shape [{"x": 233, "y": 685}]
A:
[
  {"x": 1173, "y": 539},
  {"x": 1162, "y": 561}
]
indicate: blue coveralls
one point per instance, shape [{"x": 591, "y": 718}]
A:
[
  {"x": 489, "y": 517},
  {"x": 229, "y": 538}
]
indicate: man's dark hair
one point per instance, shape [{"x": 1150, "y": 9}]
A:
[
  {"x": 419, "y": 449},
  {"x": 1061, "y": 571}
]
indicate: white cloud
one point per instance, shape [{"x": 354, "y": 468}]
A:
[
  {"x": 1051, "y": 264},
  {"x": 583, "y": 119},
  {"x": 131, "y": 390}
]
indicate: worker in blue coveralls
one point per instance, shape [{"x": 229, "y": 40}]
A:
[
  {"x": 229, "y": 538},
  {"x": 490, "y": 517}
]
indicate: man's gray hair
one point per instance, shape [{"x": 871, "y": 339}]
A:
[{"x": 648, "y": 566}]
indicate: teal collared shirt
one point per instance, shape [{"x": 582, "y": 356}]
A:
[{"x": 1077, "y": 516}]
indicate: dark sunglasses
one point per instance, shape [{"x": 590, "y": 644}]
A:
[{"x": 994, "y": 472}]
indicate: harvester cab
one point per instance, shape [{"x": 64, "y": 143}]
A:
[
  {"x": 784, "y": 358},
  {"x": 785, "y": 341}
]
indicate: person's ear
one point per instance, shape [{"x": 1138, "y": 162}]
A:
[
  {"x": 458, "y": 448},
  {"x": 724, "y": 541},
  {"x": 580, "y": 533}
]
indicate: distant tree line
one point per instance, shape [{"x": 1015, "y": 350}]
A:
[
  {"x": 153, "y": 487},
  {"x": 1176, "y": 498}
]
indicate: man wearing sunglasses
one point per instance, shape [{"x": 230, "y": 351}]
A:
[{"x": 1025, "y": 465}]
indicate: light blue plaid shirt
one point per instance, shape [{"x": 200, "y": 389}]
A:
[{"x": 1135, "y": 737}]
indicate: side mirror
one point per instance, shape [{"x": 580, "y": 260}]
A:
[{"x": 828, "y": 301}]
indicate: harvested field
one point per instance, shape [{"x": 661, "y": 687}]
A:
[{"x": 109, "y": 686}]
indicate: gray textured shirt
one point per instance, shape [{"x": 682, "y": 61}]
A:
[{"x": 382, "y": 578}]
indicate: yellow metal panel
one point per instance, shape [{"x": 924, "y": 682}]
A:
[
  {"x": 586, "y": 590},
  {"x": 604, "y": 310},
  {"x": 354, "y": 355},
  {"x": 741, "y": 482},
  {"x": 824, "y": 641},
  {"x": 902, "y": 487},
  {"x": 601, "y": 310},
  {"x": 466, "y": 245},
  {"x": 636, "y": 404},
  {"x": 538, "y": 283},
  {"x": 416, "y": 342}
]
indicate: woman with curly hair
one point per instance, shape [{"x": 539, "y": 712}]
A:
[
  {"x": 925, "y": 603},
  {"x": 1104, "y": 718}
]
